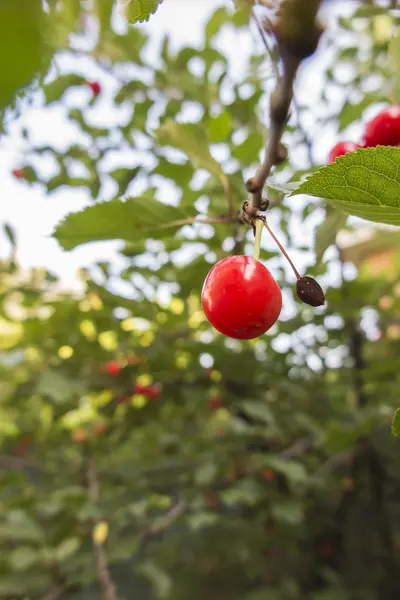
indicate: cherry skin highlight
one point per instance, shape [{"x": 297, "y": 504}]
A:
[
  {"x": 342, "y": 148},
  {"x": 240, "y": 298},
  {"x": 384, "y": 129}
]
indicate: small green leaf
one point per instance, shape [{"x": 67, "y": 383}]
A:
[
  {"x": 396, "y": 423},
  {"x": 365, "y": 183},
  {"x": 66, "y": 549},
  {"x": 191, "y": 139},
  {"x": 23, "y": 558},
  {"x": 215, "y": 22},
  {"x": 137, "y": 11},
  {"x": 258, "y": 410},
  {"x": 294, "y": 471},
  {"x": 54, "y": 90},
  {"x": 127, "y": 220},
  {"x": 289, "y": 512},
  {"x": 10, "y": 234},
  {"x": 326, "y": 233},
  {"x": 123, "y": 177},
  {"x": 57, "y": 387}
]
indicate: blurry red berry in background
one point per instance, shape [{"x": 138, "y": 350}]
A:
[
  {"x": 384, "y": 129},
  {"x": 95, "y": 87},
  {"x": 342, "y": 148},
  {"x": 150, "y": 391},
  {"x": 268, "y": 475},
  {"x": 113, "y": 368},
  {"x": 214, "y": 402},
  {"x": 18, "y": 173}
]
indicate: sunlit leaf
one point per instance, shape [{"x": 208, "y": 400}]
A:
[{"x": 365, "y": 183}]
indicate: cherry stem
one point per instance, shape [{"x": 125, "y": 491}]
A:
[
  {"x": 257, "y": 241},
  {"x": 282, "y": 249}
]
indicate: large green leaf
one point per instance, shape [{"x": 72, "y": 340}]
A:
[
  {"x": 365, "y": 183},
  {"x": 191, "y": 139},
  {"x": 137, "y": 11},
  {"x": 127, "y": 220},
  {"x": 24, "y": 51}
]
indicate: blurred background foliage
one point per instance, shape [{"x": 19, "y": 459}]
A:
[{"x": 198, "y": 466}]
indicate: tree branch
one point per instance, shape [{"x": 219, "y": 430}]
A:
[
  {"x": 297, "y": 33},
  {"x": 103, "y": 572}
]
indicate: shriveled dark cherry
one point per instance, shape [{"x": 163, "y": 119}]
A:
[
  {"x": 240, "y": 297},
  {"x": 342, "y": 148}
]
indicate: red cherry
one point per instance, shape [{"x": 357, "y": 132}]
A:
[
  {"x": 113, "y": 368},
  {"x": 342, "y": 148},
  {"x": 384, "y": 129},
  {"x": 18, "y": 173},
  {"x": 214, "y": 402},
  {"x": 150, "y": 391},
  {"x": 240, "y": 297},
  {"x": 95, "y": 87}
]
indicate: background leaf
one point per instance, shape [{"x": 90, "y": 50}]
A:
[{"x": 127, "y": 220}]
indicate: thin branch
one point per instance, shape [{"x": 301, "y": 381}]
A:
[
  {"x": 103, "y": 571},
  {"x": 297, "y": 33}
]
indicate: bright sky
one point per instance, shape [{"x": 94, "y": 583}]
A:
[{"x": 34, "y": 215}]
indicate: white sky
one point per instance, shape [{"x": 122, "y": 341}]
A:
[{"x": 33, "y": 215}]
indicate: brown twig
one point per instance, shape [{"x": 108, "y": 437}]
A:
[
  {"x": 281, "y": 248},
  {"x": 297, "y": 34},
  {"x": 103, "y": 571}
]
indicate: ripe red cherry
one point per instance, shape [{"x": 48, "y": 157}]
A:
[
  {"x": 150, "y": 391},
  {"x": 240, "y": 297},
  {"x": 113, "y": 368},
  {"x": 18, "y": 173},
  {"x": 342, "y": 148},
  {"x": 384, "y": 129},
  {"x": 95, "y": 87}
]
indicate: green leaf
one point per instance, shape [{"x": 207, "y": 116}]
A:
[
  {"x": 124, "y": 177},
  {"x": 220, "y": 127},
  {"x": 137, "y": 11},
  {"x": 191, "y": 139},
  {"x": 23, "y": 558},
  {"x": 54, "y": 90},
  {"x": 294, "y": 471},
  {"x": 57, "y": 387},
  {"x": 365, "y": 183},
  {"x": 215, "y": 22},
  {"x": 10, "y": 234},
  {"x": 326, "y": 233},
  {"x": 289, "y": 512},
  {"x": 258, "y": 410},
  {"x": 66, "y": 549},
  {"x": 126, "y": 220},
  {"x": 396, "y": 423},
  {"x": 24, "y": 51}
]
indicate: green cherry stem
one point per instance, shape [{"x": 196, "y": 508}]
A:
[
  {"x": 259, "y": 228},
  {"x": 281, "y": 248}
]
